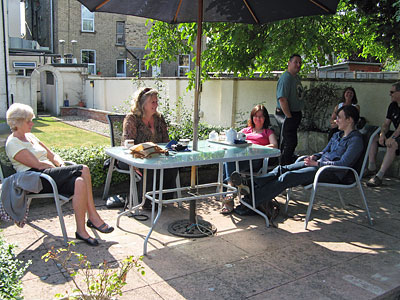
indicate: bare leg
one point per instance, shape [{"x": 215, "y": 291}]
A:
[
  {"x": 91, "y": 209},
  {"x": 79, "y": 204},
  {"x": 373, "y": 150},
  {"x": 388, "y": 158}
]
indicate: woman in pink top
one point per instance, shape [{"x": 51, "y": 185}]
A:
[{"x": 257, "y": 132}]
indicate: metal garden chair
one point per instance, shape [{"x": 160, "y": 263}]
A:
[
  {"x": 353, "y": 179},
  {"x": 6, "y": 170}
]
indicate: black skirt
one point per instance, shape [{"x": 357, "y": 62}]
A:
[{"x": 63, "y": 176}]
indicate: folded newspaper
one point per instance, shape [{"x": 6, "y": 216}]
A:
[{"x": 147, "y": 149}]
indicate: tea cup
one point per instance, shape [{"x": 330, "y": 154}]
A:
[{"x": 129, "y": 143}]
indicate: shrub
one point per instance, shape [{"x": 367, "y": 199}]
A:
[
  {"x": 319, "y": 102},
  {"x": 94, "y": 158},
  {"x": 11, "y": 272},
  {"x": 105, "y": 282}
]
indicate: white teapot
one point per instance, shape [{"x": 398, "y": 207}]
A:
[
  {"x": 231, "y": 135},
  {"x": 213, "y": 136}
]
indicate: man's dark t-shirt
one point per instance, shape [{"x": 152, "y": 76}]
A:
[{"x": 393, "y": 114}]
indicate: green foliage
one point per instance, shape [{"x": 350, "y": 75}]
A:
[
  {"x": 384, "y": 17},
  {"x": 11, "y": 272},
  {"x": 94, "y": 158},
  {"x": 178, "y": 116},
  {"x": 319, "y": 102},
  {"x": 107, "y": 281},
  {"x": 249, "y": 50}
]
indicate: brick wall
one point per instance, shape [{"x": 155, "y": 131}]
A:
[{"x": 89, "y": 113}]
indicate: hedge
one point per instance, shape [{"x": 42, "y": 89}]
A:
[{"x": 94, "y": 158}]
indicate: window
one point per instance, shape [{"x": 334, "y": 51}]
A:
[
  {"x": 143, "y": 68},
  {"x": 121, "y": 68},
  {"x": 87, "y": 19},
  {"x": 24, "y": 72},
  {"x": 89, "y": 57},
  {"x": 156, "y": 71},
  {"x": 24, "y": 68},
  {"x": 184, "y": 64},
  {"x": 120, "y": 33},
  {"x": 49, "y": 78}
]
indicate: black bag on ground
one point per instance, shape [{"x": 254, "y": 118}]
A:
[
  {"x": 116, "y": 201},
  {"x": 271, "y": 209}
]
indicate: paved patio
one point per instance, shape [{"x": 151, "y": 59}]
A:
[{"x": 340, "y": 256}]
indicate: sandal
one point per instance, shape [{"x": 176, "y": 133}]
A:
[{"x": 227, "y": 205}]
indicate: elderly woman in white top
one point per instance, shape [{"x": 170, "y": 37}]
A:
[{"x": 26, "y": 152}]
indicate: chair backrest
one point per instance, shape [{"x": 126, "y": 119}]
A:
[
  {"x": 276, "y": 127},
  {"x": 368, "y": 133},
  {"x": 6, "y": 168},
  {"x": 115, "y": 122}
]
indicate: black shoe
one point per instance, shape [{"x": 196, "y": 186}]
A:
[
  {"x": 104, "y": 228},
  {"x": 243, "y": 210},
  {"x": 91, "y": 241}
]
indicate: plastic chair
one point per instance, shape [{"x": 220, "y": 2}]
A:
[
  {"x": 6, "y": 170},
  {"x": 352, "y": 179}
]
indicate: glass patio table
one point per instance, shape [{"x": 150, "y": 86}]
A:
[{"x": 208, "y": 153}]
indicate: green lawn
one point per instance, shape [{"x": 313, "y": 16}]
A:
[{"x": 54, "y": 133}]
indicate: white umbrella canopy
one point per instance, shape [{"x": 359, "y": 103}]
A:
[{"x": 235, "y": 11}]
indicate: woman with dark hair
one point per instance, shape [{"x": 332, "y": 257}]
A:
[
  {"x": 349, "y": 97},
  {"x": 343, "y": 149},
  {"x": 257, "y": 132},
  {"x": 145, "y": 124}
]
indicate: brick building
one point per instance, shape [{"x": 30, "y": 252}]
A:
[{"x": 111, "y": 44}]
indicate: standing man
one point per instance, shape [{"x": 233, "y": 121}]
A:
[
  {"x": 388, "y": 138},
  {"x": 289, "y": 93}
]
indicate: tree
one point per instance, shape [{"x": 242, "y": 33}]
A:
[
  {"x": 384, "y": 16},
  {"x": 245, "y": 50}
]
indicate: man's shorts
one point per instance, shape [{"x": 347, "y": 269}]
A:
[{"x": 388, "y": 135}]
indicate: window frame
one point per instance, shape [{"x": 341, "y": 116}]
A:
[
  {"x": 90, "y": 64},
  {"x": 121, "y": 35},
  {"x": 83, "y": 19},
  {"x": 183, "y": 67},
  {"x": 156, "y": 71},
  {"x": 116, "y": 68}
]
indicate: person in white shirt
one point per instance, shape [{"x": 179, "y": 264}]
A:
[{"x": 28, "y": 153}]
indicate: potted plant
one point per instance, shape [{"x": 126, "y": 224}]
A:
[
  {"x": 81, "y": 103},
  {"x": 98, "y": 72},
  {"x": 101, "y": 284}
]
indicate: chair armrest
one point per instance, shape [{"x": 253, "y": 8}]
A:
[
  {"x": 324, "y": 168},
  {"x": 301, "y": 158},
  {"x": 52, "y": 183}
]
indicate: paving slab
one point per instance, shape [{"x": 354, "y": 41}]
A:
[{"x": 339, "y": 256}]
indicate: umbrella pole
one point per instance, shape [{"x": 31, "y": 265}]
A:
[
  {"x": 198, "y": 75},
  {"x": 192, "y": 228},
  {"x": 192, "y": 210}
]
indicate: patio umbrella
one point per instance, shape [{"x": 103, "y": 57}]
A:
[{"x": 235, "y": 11}]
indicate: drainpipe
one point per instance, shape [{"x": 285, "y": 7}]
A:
[
  {"x": 51, "y": 27},
  {"x": 5, "y": 52}
]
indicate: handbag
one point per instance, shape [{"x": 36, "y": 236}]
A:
[{"x": 145, "y": 150}]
